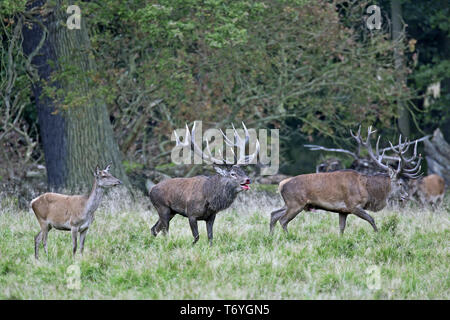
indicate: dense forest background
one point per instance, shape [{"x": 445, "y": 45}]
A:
[{"x": 137, "y": 70}]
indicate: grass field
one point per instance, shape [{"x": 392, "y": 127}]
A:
[{"x": 407, "y": 259}]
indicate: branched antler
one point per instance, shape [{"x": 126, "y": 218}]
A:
[
  {"x": 240, "y": 143},
  {"x": 400, "y": 150}
]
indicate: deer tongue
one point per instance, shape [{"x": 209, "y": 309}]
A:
[{"x": 245, "y": 186}]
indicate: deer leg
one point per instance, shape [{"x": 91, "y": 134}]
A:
[
  {"x": 290, "y": 214},
  {"x": 82, "y": 238},
  {"x": 165, "y": 223},
  {"x": 165, "y": 215},
  {"x": 209, "y": 227},
  {"x": 74, "y": 240},
  {"x": 364, "y": 215},
  {"x": 37, "y": 242},
  {"x": 422, "y": 201},
  {"x": 156, "y": 228},
  {"x": 45, "y": 236},
  {"x": 438, "y": 202},
  {"x": 275, "y": 216},
  {"x": 342, "y": 222},
  {"x": 194, "y": 228}
]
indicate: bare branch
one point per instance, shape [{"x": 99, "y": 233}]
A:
[{"x": 314, "y": 147}]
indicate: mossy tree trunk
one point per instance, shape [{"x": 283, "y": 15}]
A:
[{"x": 75, "y": 129}]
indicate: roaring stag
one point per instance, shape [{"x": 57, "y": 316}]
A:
[
  {"x": 347, "y": 191},
  {"x": 202, "y": 197}
]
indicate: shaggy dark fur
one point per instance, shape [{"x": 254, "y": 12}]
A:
[
  {"x": 378, "y": 188},
  {"x": 197, "y": 198}
]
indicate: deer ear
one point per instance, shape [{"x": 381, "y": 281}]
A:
[
  {"x": 108, "y": 167},
  {"x": 220, "y": 170},
  {"x": 97, "y": 171}
]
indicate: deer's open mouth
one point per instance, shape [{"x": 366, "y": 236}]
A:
[{"x": 245, "y": 186}]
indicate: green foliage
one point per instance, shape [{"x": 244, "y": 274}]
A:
[
  {"x": 165, "y": 166},
  {"x": 17, "y": 115},
  {"x": 217, "y": 23},
  {"x": 301, "y": 66},
  {"x": 429, "y": 26},
  {"x": 221, "y": 61},
  {"x": 390, "y": 225},
  {"x": 271, "y": 189},
  {"x": 130, "y": 166},
  {"x": 9, "y": 8}
]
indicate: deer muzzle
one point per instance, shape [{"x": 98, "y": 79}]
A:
[{"x": 245, "y": 185}]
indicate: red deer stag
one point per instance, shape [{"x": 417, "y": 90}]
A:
[
  {"x": 70, "y": 213},
  {"x": 346, "y": 191},
  {"x": 202, "y": 197}
]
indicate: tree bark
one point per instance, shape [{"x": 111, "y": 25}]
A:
[
  {"x": 74, "y": 139},
  {"x": 438, "y": 156},
  {"x": 403, "y": 114}
]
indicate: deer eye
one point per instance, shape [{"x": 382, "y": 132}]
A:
[{"x": 233, "y": 174}]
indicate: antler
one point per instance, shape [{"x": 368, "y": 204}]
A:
[
  {"x": 240, "y": 144},
  {"x": 411, "y": 142},
  {"x": 400, "y": 150},
  {"x": 189, "y": 140},
  {"x": 375, "y": 157}
]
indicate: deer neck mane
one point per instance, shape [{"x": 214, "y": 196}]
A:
[
  {"x": 378, "y": 187},
  {"x": 94, "y": 199},
  {"x": 220, "y": 191}
]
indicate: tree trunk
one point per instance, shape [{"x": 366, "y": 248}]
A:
[
  {"x": 438, "y": 156},
  {"x": 403, "y": 115},
  {"x": 75, "y": 139}
]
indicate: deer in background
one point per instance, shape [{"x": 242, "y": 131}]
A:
[
  {"x": 202, "y": 197},
  {"x": 428, "y": 190},
  {"x": 70, "y": 213},
  {"x": 347, "y": 191}
]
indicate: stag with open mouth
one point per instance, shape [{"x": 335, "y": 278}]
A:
[{"x": 202, "y": 197}]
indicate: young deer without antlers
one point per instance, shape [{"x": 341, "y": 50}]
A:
[
  {"x": 70, "y": 213},
  {"x": 346, "y": 191},
  {"x": 202, "y": 197}
]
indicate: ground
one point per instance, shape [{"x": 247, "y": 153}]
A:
[{"x": 407, "y": 259}]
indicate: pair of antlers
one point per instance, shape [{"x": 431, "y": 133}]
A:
[
  {"x": 400, "y": 150},
  {"x": 239, "y": 143}
]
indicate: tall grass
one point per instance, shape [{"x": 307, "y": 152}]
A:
[{"x": 407, "y": 259}]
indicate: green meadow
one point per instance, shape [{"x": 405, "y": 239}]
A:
[{"x": 407, "y": 259}]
